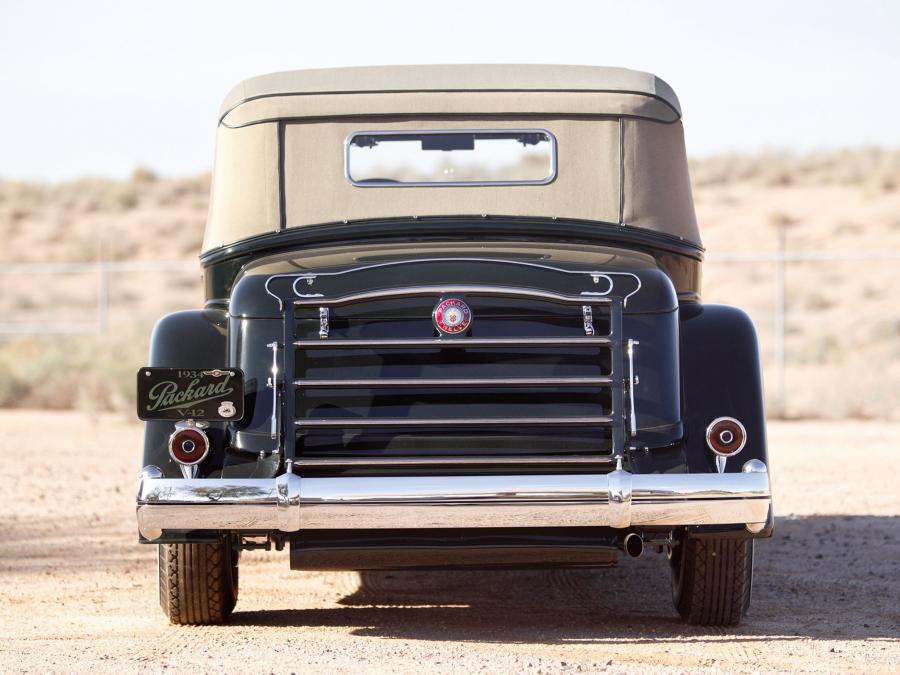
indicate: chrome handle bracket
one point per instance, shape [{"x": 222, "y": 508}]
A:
[
  {"x": 632, "y": 381},
  {"x": 272, "y": 383}
]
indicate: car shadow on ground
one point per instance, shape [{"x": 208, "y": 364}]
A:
[{"x": 835, "y": 575}]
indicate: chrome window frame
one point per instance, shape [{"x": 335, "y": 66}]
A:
[{"x": 492, "y": 183}]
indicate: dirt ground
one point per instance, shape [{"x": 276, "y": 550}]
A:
[{"x": 77, "y": 592}]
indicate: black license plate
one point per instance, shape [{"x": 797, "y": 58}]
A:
[{"x": 190, "y": 394}]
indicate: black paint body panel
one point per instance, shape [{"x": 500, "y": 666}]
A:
[
  {"x": 681, "y": 260},
  {"x": 696, "y": 362},
  {"x": 188, "y": 339},
  {"x": 455, "y": 549},
  {"x": 721, "y": 376}
]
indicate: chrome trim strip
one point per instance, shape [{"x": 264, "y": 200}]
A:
[
  {"x": 154, "y": 518},
  {"x": 361, "y": 422},
  {"x": 310, "y": 277},
  {"x": 455, "y": 460},
  {"x": 208, "y": 491},
  {"x": 632, "y": 381},
  {"x": 502, "y": 261},
  {"x": 290, "y": 503},
  {"x": 439, "y": 290},
  {"x": 425, "y": 382},
  {"x": 456, "y": 343},
  {"x": 595, "y": 275},
  {"x": 273, "y": 385},
  {"x": 469, "y": 183}
]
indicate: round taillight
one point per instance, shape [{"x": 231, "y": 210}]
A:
[
  {"x": 726, "y": 436},
  {"x": 188, "y": 446}
]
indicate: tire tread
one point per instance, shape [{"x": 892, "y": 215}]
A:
[
  {"x": 197, "y": 582},
  {"x": 716, "y": 581}
]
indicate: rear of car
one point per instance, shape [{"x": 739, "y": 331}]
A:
[{"x": 457, "y": 339}]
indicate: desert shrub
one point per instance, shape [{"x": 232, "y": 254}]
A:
[
  {"x": 142, "y": 174},
  {"x": 877, "y": 168},
  {"x": 83, "y": 372}
]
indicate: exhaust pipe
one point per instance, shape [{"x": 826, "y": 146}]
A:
[{"x": 634, "y": 544}]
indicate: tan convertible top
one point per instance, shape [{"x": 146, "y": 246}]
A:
[
  {"x": 280, "y": 146},
  {"x": 593, "y": 89}
]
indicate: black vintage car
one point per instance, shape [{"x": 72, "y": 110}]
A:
[{"x": 453, "y": 320}]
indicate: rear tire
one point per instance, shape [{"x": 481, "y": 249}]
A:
[
  {"x": 711, "y": 580},
  {"x": 198, "y": 583}
]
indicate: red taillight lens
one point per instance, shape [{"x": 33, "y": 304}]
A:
[
  {"x": 188, "y": 446},
  {"x": 726, "y": 436}
]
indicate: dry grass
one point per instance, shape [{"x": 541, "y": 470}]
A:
[
  {"x": 843, "y": 324},
  {"x": 85, "y": 372},
  {"x": 871, "y": 168},
  {"x": 144, "y": 218}
]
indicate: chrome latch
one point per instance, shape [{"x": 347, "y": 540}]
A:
[
  {"x": 588, "y": 315},
  {"x": 323, "y": 322}
]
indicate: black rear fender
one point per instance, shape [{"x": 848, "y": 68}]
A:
[
  {"x": 721, "y": 376},
  {"x": 188, "y": 339}
]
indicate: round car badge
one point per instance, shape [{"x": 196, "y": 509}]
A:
[
  {"x": 452, "y": 316},
  {"x": 227, "y": 409}
]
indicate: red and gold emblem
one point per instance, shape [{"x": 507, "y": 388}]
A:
[{"x": 452, "y": 316}]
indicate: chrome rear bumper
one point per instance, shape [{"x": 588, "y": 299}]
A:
[{"x": 290, "y": 503}]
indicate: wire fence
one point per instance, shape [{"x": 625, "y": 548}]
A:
[
  {"x": 781, "y": 258},
  {"x": 103, "y": 272},
  {"x": 99, "y": 279}
]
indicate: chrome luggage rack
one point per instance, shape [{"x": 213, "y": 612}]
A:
[{"x": 302, "y": 290}]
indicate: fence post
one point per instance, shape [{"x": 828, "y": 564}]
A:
[
  {"x": 780, "y": 261},
  {"x": 102, "y": 290}
]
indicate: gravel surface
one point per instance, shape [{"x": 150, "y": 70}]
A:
[{"x": 77, "y": 592}]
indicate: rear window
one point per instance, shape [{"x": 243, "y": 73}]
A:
[{"x": 447, "y": 158}]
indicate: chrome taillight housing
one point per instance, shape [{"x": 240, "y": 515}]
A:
[
  {"x": 188, "y": 446},
  {"x": 726, "y": 436}
]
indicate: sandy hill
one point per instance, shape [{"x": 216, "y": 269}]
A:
[{"x": 842, "y": 325}]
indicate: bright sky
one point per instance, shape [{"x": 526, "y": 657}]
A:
[{"x": 96, "y": 87}]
